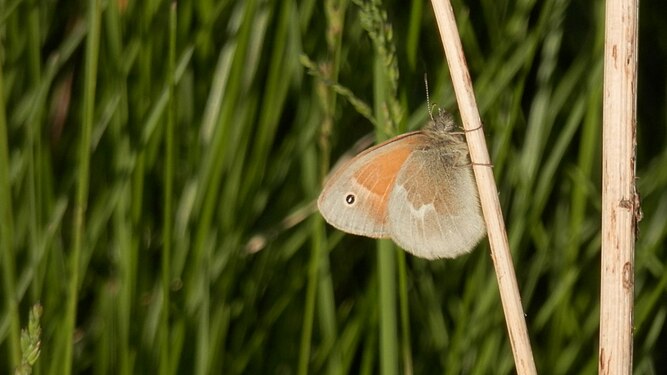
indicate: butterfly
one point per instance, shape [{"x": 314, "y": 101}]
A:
[{"x": 417, "y": 189}]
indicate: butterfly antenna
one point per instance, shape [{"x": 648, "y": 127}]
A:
[{"x": 428, "y": 99}]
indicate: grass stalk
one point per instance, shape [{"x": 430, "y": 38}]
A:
[
  {"x": 311, "y": 293},
  {"x": 386, "y": 257},
  {"x": 82, "y": 181},
  {"x": 620, "y": 201},
  {"x": 500, "y": 253},
  {"x": 168, "y": 218},
  {"x": 37, "y": 184},
  {"x": 123, "y": 304},
  {"x": 386, "y": 273},
  {"x": 404, "y": 303},
  {"x": 6, "y": 237}
]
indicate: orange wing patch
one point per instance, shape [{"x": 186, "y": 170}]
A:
[{"x": 378, "y": 175}]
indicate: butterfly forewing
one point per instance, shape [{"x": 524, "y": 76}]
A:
[{"x": 355, "y": 197}]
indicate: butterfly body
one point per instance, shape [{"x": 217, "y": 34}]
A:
[{"x": 417, "y": 188}]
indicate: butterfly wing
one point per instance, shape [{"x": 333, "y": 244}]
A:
[
  {"x": 434, "y": 209},
  {"x": 355, "y": 196}
]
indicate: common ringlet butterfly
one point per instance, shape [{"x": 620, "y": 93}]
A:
[{"x": 417, "y": 189}]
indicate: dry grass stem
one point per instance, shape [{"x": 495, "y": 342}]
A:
[
  {"x": 502, "y": 258},
  {"x": 620, "y": 202}
]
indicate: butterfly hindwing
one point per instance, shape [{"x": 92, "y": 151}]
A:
[{"x": 434, "y": 210}]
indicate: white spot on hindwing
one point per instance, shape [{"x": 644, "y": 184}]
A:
[{"x": 422, "y": 211}]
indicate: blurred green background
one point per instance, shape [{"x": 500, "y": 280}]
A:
[{"x": 159, "y": 163}]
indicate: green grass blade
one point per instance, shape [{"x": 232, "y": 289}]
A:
[{"x": 82, "y": 185}]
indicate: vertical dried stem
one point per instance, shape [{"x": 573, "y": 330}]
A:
[
  {"x": 620, "y": 202},
  {"x": 502, "y": 259}
]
